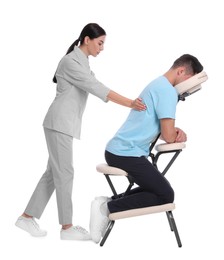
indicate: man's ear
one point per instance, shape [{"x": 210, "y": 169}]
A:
[{"x": 180, "y": 71}]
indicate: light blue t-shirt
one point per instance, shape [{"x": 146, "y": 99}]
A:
[{"x": 141, "y": 128}]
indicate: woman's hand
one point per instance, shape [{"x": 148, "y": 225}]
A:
[
  {"x": 138, "y": 105},
  {"x": 121, "y": 100}
]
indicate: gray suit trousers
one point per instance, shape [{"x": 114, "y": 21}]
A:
[{"x": 58, "y": 176}]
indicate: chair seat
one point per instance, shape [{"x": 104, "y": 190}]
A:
[
  {"x": 106, "y": 169},
  {"x": 142, "y": 211}
]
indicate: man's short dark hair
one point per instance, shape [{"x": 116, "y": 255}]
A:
[{"x": 191, "y": 63}]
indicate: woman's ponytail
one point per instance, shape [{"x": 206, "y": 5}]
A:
[{"x": 70, "y": 49}]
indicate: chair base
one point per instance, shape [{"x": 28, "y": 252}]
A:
[{"x": 144, "y": 211}]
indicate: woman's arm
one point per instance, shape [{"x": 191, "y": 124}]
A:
[
  {"x": 121, "y": 100},
  {"x": 72, "y": 72}
]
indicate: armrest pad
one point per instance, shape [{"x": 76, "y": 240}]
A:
[
  {"x": 106, "y": 169},
  {"x": 169, "y": 147}
]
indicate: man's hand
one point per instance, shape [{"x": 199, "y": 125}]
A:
[{"x": 181, "y": 136}]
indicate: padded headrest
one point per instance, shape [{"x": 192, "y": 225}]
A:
[{"x": 192, "y": 84}]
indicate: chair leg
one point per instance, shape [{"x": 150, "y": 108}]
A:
[
  {"x": 109, "y": 228},
  {"x": 173, "y": 227},
  {"x": 170, "y": 223}
]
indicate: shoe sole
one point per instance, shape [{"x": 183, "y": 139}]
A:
[
  {"x": 33, "y": 235},
  {"x": 72, "y": 238}
]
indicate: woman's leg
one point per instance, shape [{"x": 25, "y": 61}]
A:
[
  {"x": 41, "y": 195},
  {"x": 59, "y": 176},
  {"x": 60, "y": 148}
]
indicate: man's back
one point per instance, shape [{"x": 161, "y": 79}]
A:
[{"x": 140, "y": 128}]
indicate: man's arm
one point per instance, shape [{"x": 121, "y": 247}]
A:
[{"x": 170, "y": 133}]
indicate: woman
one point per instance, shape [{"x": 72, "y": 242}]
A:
[{"x": 62, "y": 123}]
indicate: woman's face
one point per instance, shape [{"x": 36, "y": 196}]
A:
[{"x": 95, "y": 46}]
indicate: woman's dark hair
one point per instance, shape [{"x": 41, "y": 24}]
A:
[{"x": 92, "y": 30}]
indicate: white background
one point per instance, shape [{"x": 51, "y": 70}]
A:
[{"x": 143, "y": 39}]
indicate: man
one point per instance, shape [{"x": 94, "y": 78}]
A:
[{"x": 129, "y": 148}]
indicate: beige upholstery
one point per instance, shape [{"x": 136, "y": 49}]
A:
[
  {"x": 192, "y": 84},
  {"x": 106, "y": 169},
  {"x": 169, "y": 147},
  {"x": 142, "y": 211}
]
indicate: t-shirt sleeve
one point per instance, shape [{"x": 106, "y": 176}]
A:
[{"x": 165, "y": 100}]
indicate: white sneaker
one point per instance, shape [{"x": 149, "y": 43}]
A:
[
  {"x": 30, "y": 225},
  {"x": 98, "y": 218},
  {"x": 75, "y": 233}
]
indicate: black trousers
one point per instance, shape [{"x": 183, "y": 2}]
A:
[{"x": 153, "y": 188}]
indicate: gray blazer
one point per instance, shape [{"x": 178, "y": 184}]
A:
[{"x": 75, "y": 81}]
